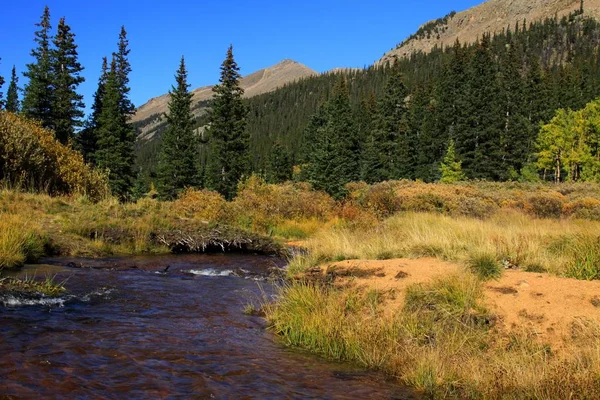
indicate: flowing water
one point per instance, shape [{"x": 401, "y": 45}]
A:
[{"x": 127, "y": 329}]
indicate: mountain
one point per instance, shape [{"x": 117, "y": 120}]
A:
[
  {"x": 490, "y": 17},
  {"x": 149, "y": 118}
]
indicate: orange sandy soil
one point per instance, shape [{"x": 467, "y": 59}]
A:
[{"x": 546, "y": 306}]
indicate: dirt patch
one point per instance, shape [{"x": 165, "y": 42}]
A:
[{"x": 541, "y": 305}]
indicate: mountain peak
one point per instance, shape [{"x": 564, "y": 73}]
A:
[{"x": 259, "y": 82}]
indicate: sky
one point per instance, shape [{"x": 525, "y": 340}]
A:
[{"x": 322, "y": 35}]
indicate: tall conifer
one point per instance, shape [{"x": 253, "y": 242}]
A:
[
  {"x": 115, "y": 139},
  {"x": 279, "y": 164},
  {"x": 388, "y": 152},
  {"x": 38, "y": 93},
  {"x": 88, "y": 137},
  {"x": 12, "y": 95},
  {"x": 335, "y": 159},
  {"x": 67, "y": 105},
  {"x": 123, "y": 69},
  {"x": 177, "y": 162},
  {"x": 229, "y": 141}
]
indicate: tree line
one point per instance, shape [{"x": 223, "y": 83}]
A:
[
  {"x": 51, "y": 97},
  {"x": 467, "y": 111},
  {"x": 106, "y": 138}
]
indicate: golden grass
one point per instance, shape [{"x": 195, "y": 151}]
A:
[
  {"x": 441, "y": 342},
  {"x": 510, "y": 237},
  {"x": 20, "y": 241}
]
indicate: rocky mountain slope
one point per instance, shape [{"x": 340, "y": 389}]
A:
[
  {"x": 491, "y": 16},
  {"x": 149, "y": 117}
]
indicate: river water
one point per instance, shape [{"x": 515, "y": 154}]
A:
[{"x": 128, "y": 330}]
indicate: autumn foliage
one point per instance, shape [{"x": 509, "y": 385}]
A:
[{"x": 30, "y": 156}]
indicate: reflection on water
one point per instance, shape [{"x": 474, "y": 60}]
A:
[{"x": 128, "y": 329}]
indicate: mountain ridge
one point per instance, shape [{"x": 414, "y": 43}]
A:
[
  {"x": 491, "y": 16},
  {"x": 259, "y": 82}
]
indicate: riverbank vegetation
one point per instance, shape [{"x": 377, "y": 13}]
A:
[
  {"x": 533, "y": 226},
  {"x": 442, "y": 339}
]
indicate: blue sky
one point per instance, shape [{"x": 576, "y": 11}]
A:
[{"x": 320, "y": 34}]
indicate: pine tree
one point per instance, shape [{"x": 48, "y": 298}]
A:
[
  {"x": 335, "y": 159},
  {"x": 279, "y": 164},
  {"x": 88, "y": 137},
  {"x": 12, "y": 95},
  {"x": 518, "y": 136},
  {"x": 229, "y": 140},
  {"x": 388, "y": 152},
  {"x": 451, "y": 167},
  {"x": 67, "y": 105},
  {"x": 115, "y": 138},
  {"x": 114, "y": 135},
  {"x": 123, "y": 69},
  {"x": 177, "y": 162},
  {"x": 479, "y": 141},
  {"x": 38, "y": 93}
]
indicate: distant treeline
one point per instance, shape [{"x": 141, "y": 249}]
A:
[{"x": 490, "y": 98}]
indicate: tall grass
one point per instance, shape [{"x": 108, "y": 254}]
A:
[
  {"x": 20, "y": 241},
  {"x": 442, "y": 342},
  {"x": 509, "y": 238}
]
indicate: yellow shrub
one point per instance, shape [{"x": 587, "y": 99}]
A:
[
  {"x": 199, "y": 204},
  {"x": 260, "y": 205},
  {"x": 31, "y": 156},
  {"x": 546, "y": 205},
  {"x": 586, "y": 208}
]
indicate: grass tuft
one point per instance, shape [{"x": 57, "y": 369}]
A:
[
  {"x": 47, "y": 287},
  {"x": 485, "y": 266}
]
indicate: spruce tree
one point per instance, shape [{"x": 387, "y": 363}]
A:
[
  {"x": 335, "y": 159},
  {"x": 123, "y": 69},
  {"x": 279, "y": 165},
  {"x": 88, "y": 137},
  {"x": 115, "y": 138},
  {"x": 67, "y": 105},
  {"x": 177, "y": 162},
  {"x": 38, "y": 93},
  {"x": 12, "y": 95},
  {"x": 451, "y": 167},
  {"x": 229, "y": 141},
  {"x": 114, "y": 134},
  {"x": 479, "y": 141},
  {"x": 388, "y": 152},
  {"x": 518, "y": 136}
]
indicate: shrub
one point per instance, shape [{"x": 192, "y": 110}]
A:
[
  {"x": 30, "y": 155},
  {"x": 261, "y": 206},
  {"x": 546, "y": 205},
  {"x": 379, "y": 198},
  {"x": 586, "y": 208},
  {"x": 199, "y": 204}
]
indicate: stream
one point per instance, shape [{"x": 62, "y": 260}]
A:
[{"x": 128, "y": 329}]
